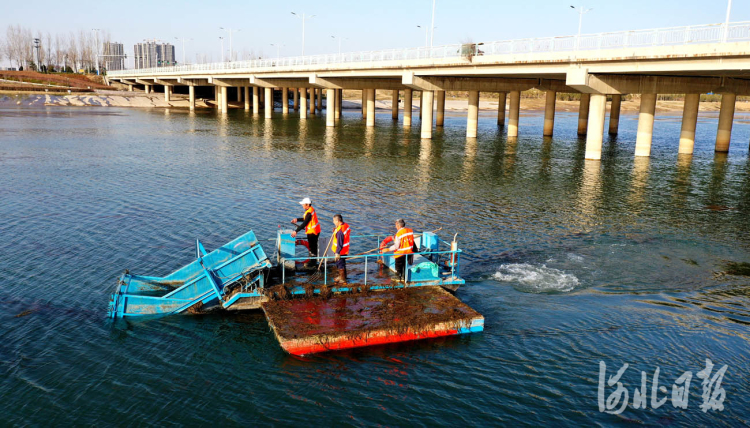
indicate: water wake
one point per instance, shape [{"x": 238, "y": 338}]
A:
[{"x": 536, "y": 279}]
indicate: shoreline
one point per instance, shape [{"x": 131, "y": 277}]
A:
[{"x": 156, "y": 100}]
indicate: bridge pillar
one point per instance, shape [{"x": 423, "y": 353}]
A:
[
  {"x": 285, "y": 100},
  {"x": 501, "y": 97},
  {"x": 224, "y": 100},
  {"x": 394, "y": 104},
  {"x": 726, "y": 116},
  {"x": 303, "y": 103},
  {"x": 645, "y": 125},
  {"x": 339, "y": 102},
  {"x": 364, "y": 104},
  {"x": 689, "y": 121},
  {"x": 440, "y": 120},
  {"x": 167, "y": 93},
  {"x": 597, "y": 109},
  {"x": 311, "y": 106},
  {"x": 130, "y": 88},
  {"x": 472, "y": 118},
  {"x": 514, "y": 112},
  {"x": 320, "y": 100},
  {"x": 256, "y": 100},
  {"x": 147, "y": 89},
  {"x": 239, "y": 94},
  {"x": 614, "y": 114},
  {"x": 263, "y": 98},
  {"x": 427, "y": 97},
  {"x": 268, "y": 105},
  {"x": 549, "y": 113},
  {"x": 370, "y": 107},
  {"x": 191, "y": 96},
  {"x": 583, "y": 114},
  {"x": 408, "y": 96},
  {"x": 217, "y": 99},
  {"x": 421, "y": 104},
  {"x": 295, "y": 98},
  {"x": 246, "y": 90},
  {"x": 331, "y": 107}
]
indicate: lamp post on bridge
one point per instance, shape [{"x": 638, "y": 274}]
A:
[
  {"x": 304, "y": 18},
  {"x": 339, "y": 39},
  {"x": 222, "y": 48},
  {"x": 432, "y": 25},
  {"x": 726, "y": 22},
  {"x": 426, "y": 35},
  {"x": 581, "y": 11},
  {"x": 278, "y": 47},
  {"x": 96, "y": 48},
  {"x": 184, "y": 59},
  {"x": 230, "y": 31}
]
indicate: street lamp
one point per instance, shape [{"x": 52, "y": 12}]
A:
[
  {"x": 304, "y": 18},
  {"x": 339, "y": 39},
  {"x": 184, "y": 60},
  {"x": 581, "y": 11},
  {"x": 426, "y": 35},
  {"x": 222, "y": 48},
  {"x": 230, "y": 31},
  {"x": 432, "y": 26},
  {"x": 278, "y": 46},
  {"x": 726, "y": 23},
  {"x": 96, "y": 47}
]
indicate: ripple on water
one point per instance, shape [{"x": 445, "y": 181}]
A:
[{"x": 536, "y": 278}]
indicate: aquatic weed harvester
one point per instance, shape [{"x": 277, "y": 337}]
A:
[{"x": 313, "y": 316}]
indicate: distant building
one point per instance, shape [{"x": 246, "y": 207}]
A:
[
  {"x": 113, "y": 56},
  {"x": 153, "y": 53}
]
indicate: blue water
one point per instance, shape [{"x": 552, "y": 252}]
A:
[{"x": 571, "y": 262}]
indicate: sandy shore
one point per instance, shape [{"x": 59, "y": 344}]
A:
[{"x": 156, "y": 100}]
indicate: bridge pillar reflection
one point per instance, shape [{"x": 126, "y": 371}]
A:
[
  {"x": 427, "y": 97},
  {"x": 583, "y": 114},
  {"x": 370, "y": 94},
  {"x": 440, "y": 119},
  {"x": 472, "y": 119},
  {"x": 501, "y": 99},
  {"x": 514, "y": 112},
  {"x": 726, "y": 116},
  {"x": 549, "y": 113},
  {"x": 689, "y": 122},
  {"x": 595, "y": 132},
  {"x": 645, "y": 125},
  {"x": 408, "y": 95},
  {"x": 614, "y": 114},
  {"x": 224, "y": 100}
]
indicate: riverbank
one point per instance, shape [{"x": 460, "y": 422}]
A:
[{"x": 102, "y": 98}]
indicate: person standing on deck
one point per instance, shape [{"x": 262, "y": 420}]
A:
[
  {"x": 308, "y": 222},
  {"x": 340, "y": 246},
  {"x": 403, "y": 247}
]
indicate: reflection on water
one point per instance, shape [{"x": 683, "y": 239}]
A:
[{"x": 571, "y": 262}]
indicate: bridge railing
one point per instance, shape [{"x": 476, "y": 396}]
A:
[{"x": 696, "y": 34}]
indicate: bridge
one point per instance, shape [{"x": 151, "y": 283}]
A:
[{"x": 601, "y": 67}]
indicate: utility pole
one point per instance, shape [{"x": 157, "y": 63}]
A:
[
  {"x": 726, "y": 22},
  {"x": 184, "y": 60},
  {"x": 304, "y": 18},
  {"x": 581, "y": 11},
  {"x": 339, "y": 39},
  {"x": 36, "y": 46},
  {"x": 426, "y": 35},
  {"x": 222, "y": 48},
  {"x": 432, "y": 26},
  {"x": 278, "y": 47},
  {"x": 230, "y": 31}
]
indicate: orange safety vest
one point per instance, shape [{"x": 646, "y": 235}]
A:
[
  {"x": 405, "y": 236},
  {"x": 345, "y": 246},
  {"x": 313, "y": 227}
]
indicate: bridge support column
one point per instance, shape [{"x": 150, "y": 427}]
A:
[
  {"x": 268, "y": 105},
  {"x": 130, "y": 88},
  {"x": 285, "y": 100},
  {"x": 246, "y": 90},
  {"x": 583, "y": 114},
  {"x": 370, "y": 107},
  {"x": 501, "y": 97},
  {"x": 331, "y": 107},
  {"x": 597, "y": 109},
  {"x": 689, "y": 122},
  {"x": 239, "y": 94},
  {"x": 295, "y": 97},
  {"x": 191, "y": 96},
  {"x": 320, "y": 100},
  {"x": 256, "y": 100},
  {"x": 427, "y": 97},
  {"x": 311, "y": 106},
  {"x": 513, "y": 113},
  {"x": 440, "y": 119},
  {"x": 224, "y": 100},
  {"x": 147, "y": 89},
  {"x": 421, "y": 103},
  {"x": 263, "y": 98},
  {"x": 726, "y": 116},
  {"x": 408, "y": 95},
  {"x": 645, "y": 125},
  {"x": 614, "y": 114},
  {"x": 472, "y": 119},
  {"x": 394, "y": 104},
  {"x": 339, "y": 102},
  {"x": 549, "y": 113},
  {"x": 303, "y": 103},
  {"x": 364, "y": 104}
]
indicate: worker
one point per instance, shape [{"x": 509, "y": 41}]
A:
[
  {"x": 308, "y": 222},
  {"x": 340, "y": 246},
  {"x": 403, "y": 247}
]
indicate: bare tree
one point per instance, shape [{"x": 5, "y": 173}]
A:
[
  {"x": 59, "y": 50},
  {"x": 73, "y": 51},
  {"x": 14, "y": 45},
  {"x": 48, "y": 45}
]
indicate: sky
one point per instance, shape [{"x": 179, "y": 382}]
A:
[{"x": 361, "y": 25}]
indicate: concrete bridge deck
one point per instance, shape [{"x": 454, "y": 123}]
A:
[{"x": 601, "y": 67}]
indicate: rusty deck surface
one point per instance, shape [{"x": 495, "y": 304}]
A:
[{"x": 311, "y": 325}]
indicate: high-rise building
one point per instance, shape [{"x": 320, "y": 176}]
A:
[
  {"x": 153, "y": 53},
  {"x": 113, "y": 56}
]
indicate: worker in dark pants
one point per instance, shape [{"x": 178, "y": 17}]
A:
[
  {"x": 309, "y": 222},
  {"x": 403, "y": 247},
  {"x": 340, "y": 246}
]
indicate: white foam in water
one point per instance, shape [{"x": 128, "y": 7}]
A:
[{"x": 536, "y": 279}]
